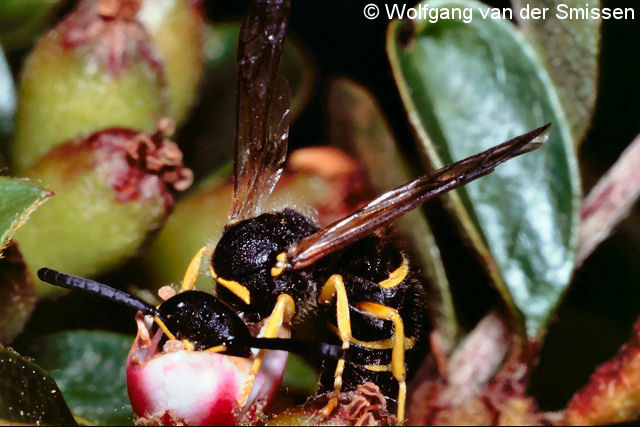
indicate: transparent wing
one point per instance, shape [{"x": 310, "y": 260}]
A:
[
  {"x": 395, "y": 203},
  {"x": 262, "y": 107}
]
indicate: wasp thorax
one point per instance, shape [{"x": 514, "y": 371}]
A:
[{"x": 246, "y": 254}]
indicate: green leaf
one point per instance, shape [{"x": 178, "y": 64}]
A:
[
  {"x": 212, "y": 125},
  {"x": 28, "y": 395},
  {"x": 18, "y": 199},
  {"x": 467, "y": 87},
  {"x": 357, "y": 123},
  {"x": 22, "y": 20},
  {"x": 570, "y": 49},
  {"x": 298, "y": 376},
  {"x": 90, "y": 368}
]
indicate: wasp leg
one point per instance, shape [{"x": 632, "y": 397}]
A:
[
  {"x": 334, "y": 287},
  {"x": 282, "y": 312},
  {"x": 191, "y": 275},
  {"x": 398, "y": 369},
  {"x": 216, "y": 349}
]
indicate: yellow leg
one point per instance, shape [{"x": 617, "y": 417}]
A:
[
  {"x": 334, "y": 287},
  {"x": 164, "y": 328},
  {"x": 282, "y": 313},
  {"x": 398, "y": 369},
  {"x": 217, "y": 349},
  {"x": 191, "y": 275},
  {"x": 186, "y": 343}
]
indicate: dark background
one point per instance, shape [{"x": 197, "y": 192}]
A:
[{"x": 604, "y": 300}]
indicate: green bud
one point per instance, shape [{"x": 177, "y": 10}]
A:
[
  {"x": 177, "y": 31},
  {"x": 96, "y": 69},
  {"x": 111, "y": 189}
]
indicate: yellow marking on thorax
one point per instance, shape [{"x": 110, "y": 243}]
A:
[
  {"x": 236, "y": 288},
  {"x": 281, "y": 264},
  {"x": 397, "y": 276}
]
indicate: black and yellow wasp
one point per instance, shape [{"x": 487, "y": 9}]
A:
[{"x": 272, "y": 266}]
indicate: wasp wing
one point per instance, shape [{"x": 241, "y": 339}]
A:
[
  {"x": 395, "y": 203},
  {"x": 262, "y": 107}
]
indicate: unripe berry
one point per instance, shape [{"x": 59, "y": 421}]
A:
[
  {"x": 177, "y": 30},
  {"x": 96, "y": 69},
  {"x": 111, "y": 189}
]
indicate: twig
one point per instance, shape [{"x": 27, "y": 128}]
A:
[{"x": 610, "y": 201}]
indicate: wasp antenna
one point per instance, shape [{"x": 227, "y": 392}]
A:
[
  {"x": 533, "y": 140},
  {"x": 540, "y": 139},
  {"x": 74, "y": 282}
]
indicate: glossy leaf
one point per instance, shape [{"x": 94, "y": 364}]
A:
[
  {"x": 90, "y": 368},
  {"x": 570, "y": 49},
  {"x": 211, "y": 127},
  {"x": 357, "y": 123},
  {"x": 18, "y": 199},
  {"x": 28, "y": 394},
  {"x": 467, "y": 87}
]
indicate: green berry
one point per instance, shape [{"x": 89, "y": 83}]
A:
[
  {"x": 177, "y": 30},
  {"x": 111, "y": 189}
]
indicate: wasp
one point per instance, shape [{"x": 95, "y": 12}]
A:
[
  {"x": 270, "y": 267},
  {"x": 197, "y": 318}
]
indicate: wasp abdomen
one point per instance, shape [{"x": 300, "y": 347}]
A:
[{"x": 378, "y": 278}]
